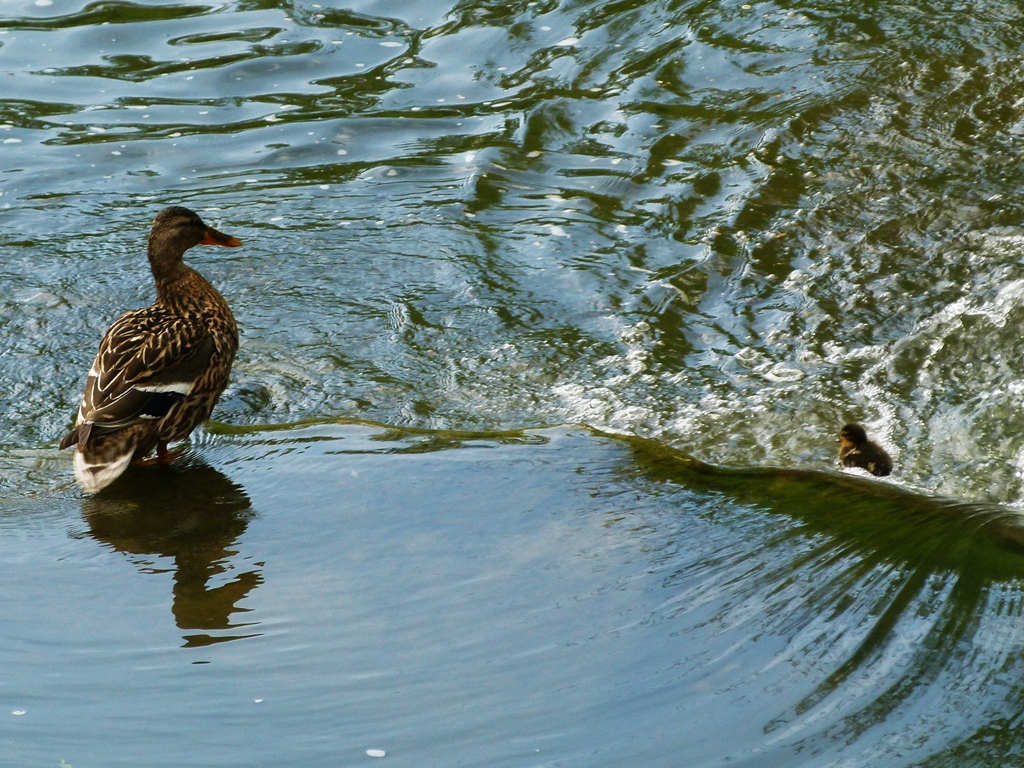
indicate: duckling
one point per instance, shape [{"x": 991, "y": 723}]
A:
[
  {"x": 159, "y": 370},
  {"x": 855, "y": 450}
]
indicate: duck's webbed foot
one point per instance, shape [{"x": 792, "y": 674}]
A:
[{"x": 163, "y": 456}]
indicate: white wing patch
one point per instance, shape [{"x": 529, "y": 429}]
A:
[{"x": 180, "y": 387}]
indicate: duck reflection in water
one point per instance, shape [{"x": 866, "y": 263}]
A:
[{"x": 194, "y": 514}]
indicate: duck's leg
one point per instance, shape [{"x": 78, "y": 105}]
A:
[{"x": 163, "y": 456}]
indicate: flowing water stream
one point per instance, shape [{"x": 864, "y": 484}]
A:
[{"x": 550, "y": 314}]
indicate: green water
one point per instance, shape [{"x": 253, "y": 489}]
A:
[{"x": 711, "y": 232}]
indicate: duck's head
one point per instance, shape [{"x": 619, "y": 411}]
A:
[
  {"x": 177, "y": 229},
  {"x": 852, "y": 435}
]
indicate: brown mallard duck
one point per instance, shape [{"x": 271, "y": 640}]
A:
[
  {"x": 855, "y": 450},
  {"x": 159, "y": 370}
]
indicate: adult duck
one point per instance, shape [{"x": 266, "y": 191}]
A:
[
  {"x": 159, "y": 370},
  {"x": 855, "y": 450}
]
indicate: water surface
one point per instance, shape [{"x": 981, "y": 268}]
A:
[{"x": 721, "y": 230}]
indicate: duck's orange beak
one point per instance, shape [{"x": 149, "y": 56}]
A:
[{"x": 214, "y": 237}]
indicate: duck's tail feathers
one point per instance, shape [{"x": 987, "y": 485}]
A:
[
  {"x": 95, "y": 477},
  {"x": 99, "y": 462},
  {"x": 71, "y": 438}
]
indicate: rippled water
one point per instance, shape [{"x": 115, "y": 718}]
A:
[{"x": 725, "y": 229}]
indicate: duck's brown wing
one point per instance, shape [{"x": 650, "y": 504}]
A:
[{"x": 148, "y": 361}]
